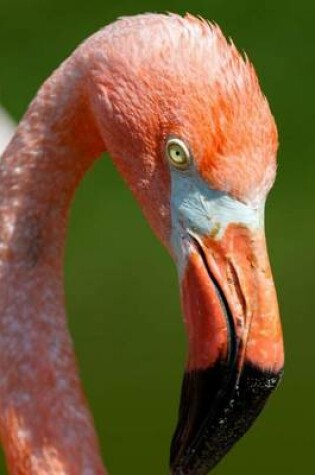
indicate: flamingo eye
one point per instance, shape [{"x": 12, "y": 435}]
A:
[{"x": 178, "y": 154}]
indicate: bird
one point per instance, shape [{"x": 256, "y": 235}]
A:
[
  {"x": 182, "y": 115},
  {"x": 7, "y": 127}
]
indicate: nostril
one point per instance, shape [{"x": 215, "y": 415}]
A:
[{"x": 233, "y": 341}]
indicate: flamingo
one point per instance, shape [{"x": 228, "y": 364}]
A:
[{"x": 183, "y": 117}]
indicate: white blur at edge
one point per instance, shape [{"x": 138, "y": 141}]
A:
[{"x": 7, "y": 128}]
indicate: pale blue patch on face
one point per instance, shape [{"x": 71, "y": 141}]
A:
[{"x": 202, "y": 211}]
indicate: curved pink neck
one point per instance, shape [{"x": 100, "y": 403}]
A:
[{"x": 45, "y": 424}]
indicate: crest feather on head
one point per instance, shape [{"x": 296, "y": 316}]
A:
[{"x": 180, "y": 75}]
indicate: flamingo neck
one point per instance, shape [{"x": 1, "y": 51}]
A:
[{"x": 45, "y": 424}]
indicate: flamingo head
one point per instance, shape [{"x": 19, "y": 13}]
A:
[{"x": 193, "y": 135}]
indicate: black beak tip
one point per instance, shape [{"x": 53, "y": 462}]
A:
[{"x": 215, "y": 411}]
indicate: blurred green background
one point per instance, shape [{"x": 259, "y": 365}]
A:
[{"x": 122, "y": 293}]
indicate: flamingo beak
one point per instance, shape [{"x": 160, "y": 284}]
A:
[{"x": 235, "y": 356}]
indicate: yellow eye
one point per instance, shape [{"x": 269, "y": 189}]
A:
[{"x": 178, "y": 154}]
